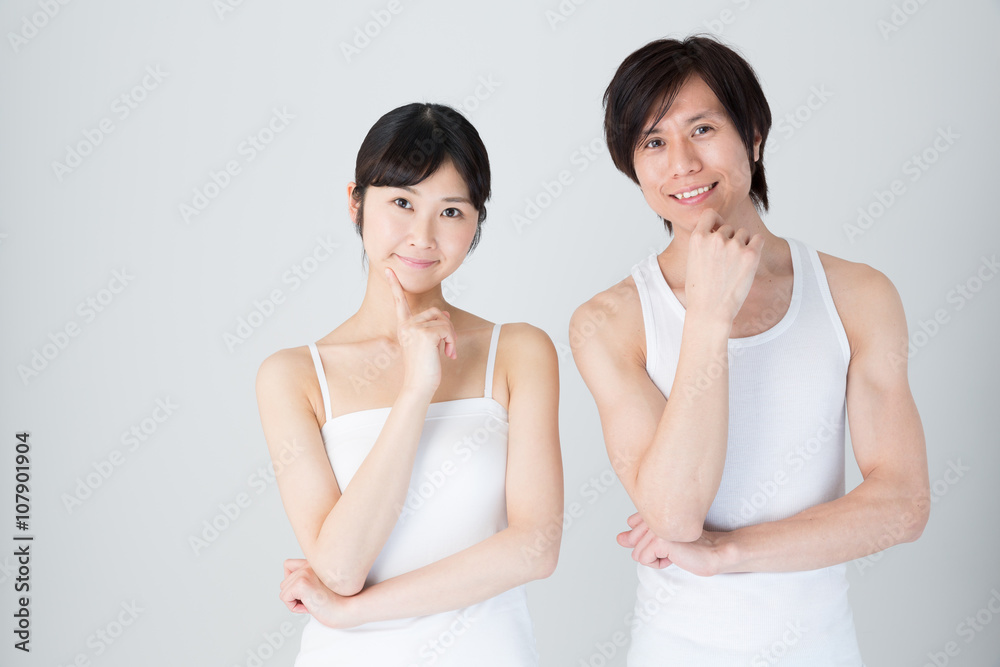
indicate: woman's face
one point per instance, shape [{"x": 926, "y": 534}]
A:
[{"x": 422, "y": 232}]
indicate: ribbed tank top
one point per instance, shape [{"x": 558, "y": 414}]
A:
[
  {"x": 785, "y": 453},
  {"x": 456, "y": 499}
]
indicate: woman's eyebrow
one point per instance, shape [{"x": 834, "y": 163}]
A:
[{"x": 453, "y": 198}]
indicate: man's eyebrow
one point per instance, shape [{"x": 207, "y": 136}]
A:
[
  {"x": 704, "y": 115},
  {"x": 459, "y": 200}
]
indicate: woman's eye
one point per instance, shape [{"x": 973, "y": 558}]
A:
[
  {"x": 404, "y": 204},
  {"x": 452, "y": 213}
]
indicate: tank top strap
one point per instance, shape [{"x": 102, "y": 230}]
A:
[
  {"x": 490, "y": 360},
  {"x": 321, "y": 376}
]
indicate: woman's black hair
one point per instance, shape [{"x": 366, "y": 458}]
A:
[{"x": 409, "y": 143}]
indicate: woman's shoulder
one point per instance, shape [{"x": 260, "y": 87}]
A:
[
  {"x": 521, "y": 343},
  {"x": 284, "y": 367}
]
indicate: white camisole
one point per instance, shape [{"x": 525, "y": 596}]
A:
[
  {"x": 456, "y": 499},
  {"x": 785, "y": 453}
]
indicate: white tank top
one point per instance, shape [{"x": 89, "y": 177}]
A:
[
  {"x": 456, "y": 499},
  {"x": 785, "y": 453}
]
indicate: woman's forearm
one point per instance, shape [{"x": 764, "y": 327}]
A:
[
  {"x": 503, "y": 561},
  {"x": 358, "y": 525}
]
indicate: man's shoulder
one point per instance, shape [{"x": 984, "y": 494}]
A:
[
  {"x": 612, "y": 315},
  {"x": 865, "y": 298},
  {"x": 856, "y": 283}
]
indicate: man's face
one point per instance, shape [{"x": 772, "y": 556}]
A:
[{"x": 694, "y": 150}]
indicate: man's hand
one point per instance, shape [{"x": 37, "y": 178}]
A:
[
  {"x": 304, "y": 593},
  {"x": 703, "y": 557}
]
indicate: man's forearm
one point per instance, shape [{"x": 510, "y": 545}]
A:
[
  {"x": 681, "y": 469},
  {"x": 874, "y": 516}
]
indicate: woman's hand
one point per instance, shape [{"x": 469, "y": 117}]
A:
[
  {"x": 704, "y": 556},
  {"x": 721, "y": 264},
  {"x": 423, "y": 337},
  {"x": 304, "y": 593}
]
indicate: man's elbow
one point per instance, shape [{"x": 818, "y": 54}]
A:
[
  {"x": 914, "y": 518},
  {"x": 675, "y": 526},
  {"x": 545, "y": 565},
  {"x": 671, "y": 519}
]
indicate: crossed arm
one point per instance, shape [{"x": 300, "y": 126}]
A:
[
  {"x": 890, "y": 506},
  {"x": 527, "y": 549}
]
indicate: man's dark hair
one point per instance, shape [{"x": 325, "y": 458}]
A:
[{"x": 653, "y": 75}]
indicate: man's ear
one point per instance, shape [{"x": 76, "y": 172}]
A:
[{"x": 352, "y": 203}]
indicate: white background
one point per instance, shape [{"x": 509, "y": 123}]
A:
[{"x": 63, "y": 235}]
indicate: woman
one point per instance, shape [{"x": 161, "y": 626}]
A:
[{"x": 417, "y": 444}]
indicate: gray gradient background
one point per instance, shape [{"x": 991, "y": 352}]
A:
[{"x": 162, "y": 336}]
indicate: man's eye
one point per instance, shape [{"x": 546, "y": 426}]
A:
[
  {"x": 655, "y": 143},
  {"x": 702, "y": 127}
]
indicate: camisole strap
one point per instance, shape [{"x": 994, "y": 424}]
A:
[
  {"x": 321, "y": 376},
  {"x": 490, "y": 360}
]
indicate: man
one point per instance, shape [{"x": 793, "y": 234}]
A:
[{"x": 722, "y": 369}]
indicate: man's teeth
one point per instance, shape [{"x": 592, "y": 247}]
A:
[{"x": 693, "y": 193}]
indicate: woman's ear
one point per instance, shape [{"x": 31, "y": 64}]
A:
[
  {"x": 352, "y": 203},
  {"x": 756, "y": 146}
]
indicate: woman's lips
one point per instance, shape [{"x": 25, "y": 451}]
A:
[{"x": 416, "y": 263}]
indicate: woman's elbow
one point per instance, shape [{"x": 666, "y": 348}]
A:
[
  {"x": 539, "y": 550},
  {"x": 340, "y": 582}
]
